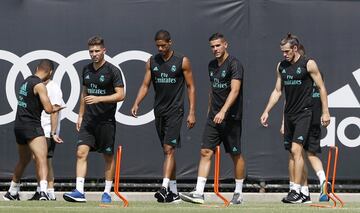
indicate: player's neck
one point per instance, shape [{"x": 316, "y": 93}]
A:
[
  {"x": 98, "y": 64},
  {"x": 168, "y": 55},
  {"x": 296, "y": 58},
  {"x": 222, "y": 58}
]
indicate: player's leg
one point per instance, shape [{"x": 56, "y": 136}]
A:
[
  {"x": 38, "y": 147},
  {"x": 168, "y": 128},
  {"x": 294, "y": 195},
  {"x": 211, "y": 138},
  {"x": 86, "y": 141},
  {"x": 291, "y": 171},
  {"x": 50, "y": 178},
  {"x": 109, "y": 176},
  {"x": 78, "y": 194},
  {"x": 24, "y": 159},
  {"x": 239, "y": 170},
  {"x": 304, "y": 191},
  {"x": 231, "y": 137},
  {"x": 314, "y": 148},
  {"x": 301, "y": 123},
  {"x": 169, "y": 171}
]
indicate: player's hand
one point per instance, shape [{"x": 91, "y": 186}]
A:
[
  {"x": 325, "y": 119},
  {"x": 134, "y": 110},
  {"x": 264, "y": 118},
  {"x": 91, "y": 99},
  {"x": 57, "y": 139},
  {"x": 282, "y": 129},
  {"x": 78, "y": 123},
  {"x": 219, "y": 117},
  {"x": 191, "y": 120},
  {"x": 57, "y": 108}
]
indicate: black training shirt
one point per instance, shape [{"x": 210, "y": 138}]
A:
[
  {"x": 101, "y": 82},
  {"x": 29, "y": 107},
  {"x": 168, "y": 81},
  {"x": 220, "y": 79}
]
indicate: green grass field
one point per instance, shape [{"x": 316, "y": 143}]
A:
[{"x": 153, "y": 207}]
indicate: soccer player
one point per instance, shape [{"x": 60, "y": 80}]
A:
[
  {"x": 169, "y": 72},
  {"x": 296, "y": 75},
  {"x": 51, "y": 126},
  {"x": 311, "y": 147},
  {"x": 32, "y": 100},
  {"x": 102, "y": 88},
  {"x": 223, "y": 124}
]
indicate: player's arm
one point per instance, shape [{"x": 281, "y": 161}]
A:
[
  {"x": 81, "y": 108},
  {"x": 186, "y": 67},
  {"x": 209, "y": 101},
  {"x": 54, "y": 124},
  {"x": 113, "y": 98},
  {"x": 41, "y": 90},
  {"x": 316, "y": 76},
  {"x": 234, "y": 92},
  {"x": 274, "y": 98},
  {"x": 282, "y": 128},
  {"x": 144, "y": 89},
  {"x": 55, "y": 96}
]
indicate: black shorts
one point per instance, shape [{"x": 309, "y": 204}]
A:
[
  {"x": 296, "y": 128},
  {"x": 228, "y": 133},
  {"x": 51, "y": 147},
  {"x": 98, "y": 135},
  {"x": 24, "y": 134},
  {"x": 168, "y": 128},
  {"x": 313, "y": 142}
]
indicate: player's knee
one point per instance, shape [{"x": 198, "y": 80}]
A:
[
  {"x": 81, "y": 154},
  {"x": 206, "y": 153},
  {"x": 168, "y": 150},
  {"x": 296, "y": 150}
]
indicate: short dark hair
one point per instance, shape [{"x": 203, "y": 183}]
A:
[
  {"x": 46, "y": 65},
  {"x": 293, "y": 40},
  {"x": 96, "y": 40},
  {"x": 216, "y": 36},
  {"x": 162, "y": 35}
]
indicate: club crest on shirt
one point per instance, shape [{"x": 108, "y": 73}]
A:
[
  {"x": 102, "y": 78},
  {"x": 223, "y": 73},
  {"x": 173, "y": 68},
  {"x": 298, "y": 70}
]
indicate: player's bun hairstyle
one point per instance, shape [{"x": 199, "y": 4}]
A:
[
  {"x": 162, "y": 35},
  {"x": 216, "y": 36},
  {"x": 46, "y": 65},
  {"x": 96, "y": 40},
  {"x": 291, "y": 39}
]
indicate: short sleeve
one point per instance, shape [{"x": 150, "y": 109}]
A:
[{"x": 237, "y": 70}]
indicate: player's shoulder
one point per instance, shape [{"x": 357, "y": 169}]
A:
[
  {"x": 111, "y": 68},
  {"x": 234, "y": 60},
  {"x": 88, "y": 66},
  {"x": 179, "y": 55},
  {"x": 283, "y": 65},
  {"x": 213, "y": 63}
]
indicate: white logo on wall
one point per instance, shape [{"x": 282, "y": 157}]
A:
[
  {"x": 66, "y": 65},
  {"x": 343, "y": 98}
]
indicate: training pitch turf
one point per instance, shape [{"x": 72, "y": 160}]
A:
[{"x": 153, "y": 207}]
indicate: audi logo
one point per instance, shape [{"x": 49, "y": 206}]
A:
[{"x": 66, "y": 65}]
